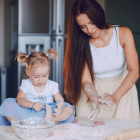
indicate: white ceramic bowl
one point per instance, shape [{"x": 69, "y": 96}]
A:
[{"x": 32, "y": 128}]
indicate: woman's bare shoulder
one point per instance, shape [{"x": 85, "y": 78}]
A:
[
  {"x": 124, "y": 34},
  {"x": 123, "y": 31}
]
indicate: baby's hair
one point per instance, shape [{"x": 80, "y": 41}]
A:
[{"x": 36, "y": 57}]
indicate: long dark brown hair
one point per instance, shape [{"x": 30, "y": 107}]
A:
[{"x": 77, "y": 47}]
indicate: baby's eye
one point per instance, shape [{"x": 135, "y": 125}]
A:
[
  {"x": 36, "y": 77},
  {"x": 44, "y": 76}
]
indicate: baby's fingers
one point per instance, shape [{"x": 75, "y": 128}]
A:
[
  {"x": 56, "y": 114},
  {"x": 57, "y": 110},
  {"x": 42, "y": 106}
]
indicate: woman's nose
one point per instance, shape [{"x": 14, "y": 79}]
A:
[{"x": 89, "y": 29}]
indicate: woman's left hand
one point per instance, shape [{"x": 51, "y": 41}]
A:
[
  {"x": 108, "y": 99},
  {"x": 98, "y": 111}
]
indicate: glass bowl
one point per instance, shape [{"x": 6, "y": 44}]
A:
[{"x": 32, "y": 128}]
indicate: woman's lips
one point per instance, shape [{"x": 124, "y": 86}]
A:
[{"x": 93, "y": 34}]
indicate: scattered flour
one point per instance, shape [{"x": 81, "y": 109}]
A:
[{"x": 74, "y": 131}]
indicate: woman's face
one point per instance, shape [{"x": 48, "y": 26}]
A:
[{"x": 87, "y": 26}]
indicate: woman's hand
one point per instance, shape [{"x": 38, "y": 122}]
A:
[
  {"x": 37, "y": 106},
  {"x": 108, "y": 99},
  {"x": 98, "y": 111},
  {"x": 91, "y": 92}
]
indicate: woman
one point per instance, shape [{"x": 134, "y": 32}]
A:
[{"x": 101, "y": 65}]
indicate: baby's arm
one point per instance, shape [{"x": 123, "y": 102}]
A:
[
  {"x": 60, "y": 104},
  {"x": 22, "y": 101},
  {"x": 27, "y": 104}
]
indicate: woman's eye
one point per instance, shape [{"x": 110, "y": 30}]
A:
[
  {"x": 91, "y": 23},
  {"x": 82, "y": 27}
]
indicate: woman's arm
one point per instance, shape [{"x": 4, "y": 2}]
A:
[
  {"x": 88, "y": 85},
  {"x": 22, "y": 101},
  {"x": 127, "y": 42},
  {"x": 92, "y": 93}
]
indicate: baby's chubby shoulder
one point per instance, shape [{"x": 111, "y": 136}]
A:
[
  {"x": 26, "y": 82},
  {"x": 50, "y": 82},
  {"x": 52, "y": 86}
]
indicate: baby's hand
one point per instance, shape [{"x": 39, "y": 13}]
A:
[
  {"x": 57, "y": 111},
  {"x": 60, "y": 107},
  {"x": 37, "y": 106}
]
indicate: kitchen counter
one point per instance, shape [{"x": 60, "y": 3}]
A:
[{"x": 80, "y": 122}]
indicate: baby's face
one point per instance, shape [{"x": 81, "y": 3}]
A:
[{"x": 39, "y": 75}]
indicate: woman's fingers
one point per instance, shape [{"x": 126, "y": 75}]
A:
[
  {"x": 108, "y": 112},
  {"x": 91, "y": 114},
  {"x": 94, "y": 115},
  {"x": 103, "y": 95},
  {"x": 107, "y": 101},
  {"x": 100, "y": 111}
]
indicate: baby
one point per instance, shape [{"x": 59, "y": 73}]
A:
[{"x": 35, "y": 96}]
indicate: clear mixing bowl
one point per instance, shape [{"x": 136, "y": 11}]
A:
[{"x": 32, "y": 128}]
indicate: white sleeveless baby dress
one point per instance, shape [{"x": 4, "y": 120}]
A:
[{"x": 110, "y": 69}]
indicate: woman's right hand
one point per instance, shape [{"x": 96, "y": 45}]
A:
[
  {"x": 91, "y": 92},
  {"x": 37, "y": 106},
  {"x": 98, "y": 111}
]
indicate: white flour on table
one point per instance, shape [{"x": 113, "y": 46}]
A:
[{"x": 74, "y": 131}]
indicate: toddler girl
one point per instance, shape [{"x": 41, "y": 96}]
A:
[{"x": 35, "y": 96}]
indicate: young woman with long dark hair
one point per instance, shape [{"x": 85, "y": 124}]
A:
[{"x": 101, "y": 65}]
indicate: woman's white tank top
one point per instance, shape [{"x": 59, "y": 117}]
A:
[{"x": 109, "y": 61}]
